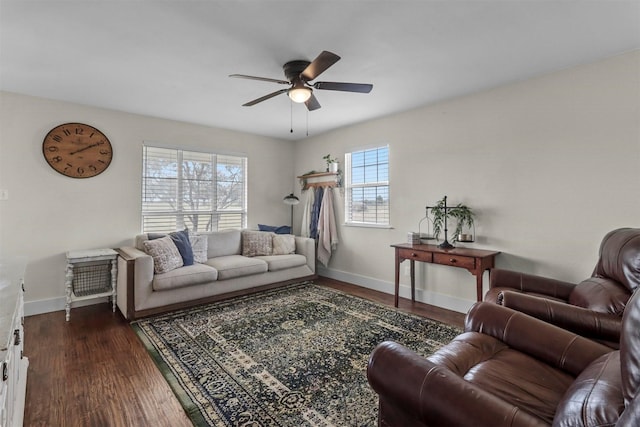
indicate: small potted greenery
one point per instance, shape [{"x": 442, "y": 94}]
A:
[
  {"x": 332, "y": 163},
  {"x": 463, "y": 216}
]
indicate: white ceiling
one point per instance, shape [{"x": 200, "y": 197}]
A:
[{"x": 171, "y": 59}]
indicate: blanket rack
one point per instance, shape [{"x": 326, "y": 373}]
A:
[{"x": 321, "y": 179}]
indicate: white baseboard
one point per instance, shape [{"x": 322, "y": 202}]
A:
[
  {"x": 427, "y": 297},
  {"x": 31, "y": 308}
]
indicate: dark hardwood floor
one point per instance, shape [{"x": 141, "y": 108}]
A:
[{"x": 93, "y": 371}]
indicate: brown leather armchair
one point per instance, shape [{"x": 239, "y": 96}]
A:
[
  {"x": 592, "y": 308},
  {"x": 511, "y": 369}
]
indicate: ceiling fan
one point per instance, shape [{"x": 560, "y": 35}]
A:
[{"x": 299, "y": 74}]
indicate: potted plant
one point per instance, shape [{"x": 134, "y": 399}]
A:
[
  {"x": 463, "y": 216},
  {"x": 332, "y": 163}
]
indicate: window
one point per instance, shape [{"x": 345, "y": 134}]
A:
[
  {"x": 367, "y": 187},
  {"x": 200, "y": 191}
]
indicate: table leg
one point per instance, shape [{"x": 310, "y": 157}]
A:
[
  {"x": 395, "y": 303},
  {"x": 479, "y": 275},
  {"x": 68, "y": 288},
  {"x": 413, "y": 280},
  {"x": 114, "y": 275}
]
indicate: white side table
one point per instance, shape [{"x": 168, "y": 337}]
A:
[{"x": 91, "y": 274}]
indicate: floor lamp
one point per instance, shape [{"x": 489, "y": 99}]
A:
[{"x": 291, "y": 200}]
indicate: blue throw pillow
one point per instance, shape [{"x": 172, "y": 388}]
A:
[
  {"x": 181, "y": 240},
  {"x": 283, "y": 229}
]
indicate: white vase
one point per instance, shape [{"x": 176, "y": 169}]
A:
[{"x": 333, "y": 167}]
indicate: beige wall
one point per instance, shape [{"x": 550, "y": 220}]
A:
[
  {"x": 48, "y": 214},
  {"x": 549, "y": 165}
]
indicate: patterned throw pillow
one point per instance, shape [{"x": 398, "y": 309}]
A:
[
  {"x": 284, "y": 244},
  {"x": 199, "y": 246},
  {"x": 164, "y": 253},
  {"x": 255, "y": 243}
]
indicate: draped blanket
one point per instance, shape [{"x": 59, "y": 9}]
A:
[
  {"x": 305, "y": 227},
  {"x": 327, "y": 233}
]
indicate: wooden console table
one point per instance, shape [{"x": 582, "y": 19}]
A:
[{"x": 474, "y": 260}]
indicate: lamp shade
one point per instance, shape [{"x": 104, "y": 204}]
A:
[
  {"x": 299, "y": 92},
  {"x": 291, "y": 200}
]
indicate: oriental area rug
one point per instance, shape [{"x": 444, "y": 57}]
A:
[{"x": 292, "y": 356}]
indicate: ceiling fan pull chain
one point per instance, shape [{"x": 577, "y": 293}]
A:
[
  {"x": 307, "y": 122},
  {"x": 291, "y": 105}
]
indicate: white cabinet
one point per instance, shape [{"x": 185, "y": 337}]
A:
[{"x": 14, "y": 364}]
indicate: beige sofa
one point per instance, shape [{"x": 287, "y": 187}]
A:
[{"x": 225, "y": 273}]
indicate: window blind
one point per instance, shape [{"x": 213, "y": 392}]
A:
[{"x": 196, "y": 190}]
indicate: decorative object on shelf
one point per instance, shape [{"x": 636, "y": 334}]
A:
[
  {"x": 413, "y": 238},
  {"x": 425, "y": 234},
  {"x": 465, "y": 227},
  {"x": 291, "y": 200},
  {"x": 77, "y": 150},
  {"x": 332, "y": 164}
]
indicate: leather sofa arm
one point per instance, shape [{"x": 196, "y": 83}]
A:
[
  {"x": 582, "y": 321},
  {"x": 523, "y": 282},
  {"x": 433, "y": 395},
  {"x": 549, "y": 343}
]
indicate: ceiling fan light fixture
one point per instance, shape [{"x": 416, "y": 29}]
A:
[{"x": 299, "y": 93}]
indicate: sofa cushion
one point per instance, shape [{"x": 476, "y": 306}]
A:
[
  {"x": 231, "y": 266},
  {"x": 256, "y": 243},
  {"x": 284, "y": 244},
  {"x": 595, "y": 397},
  {"x": 164, "y": 253},
  {"x": 512, "y": 376},
  {"x": 195, "y": 274},
  {"x": 600, "y": 294},
  {"x": 282, "y": 262},
  {"x": 199, "y": 245},
  {"x": 222, "y": 243}
]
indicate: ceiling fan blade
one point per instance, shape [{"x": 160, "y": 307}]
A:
[
  {"x": 345, "y": 87},
  {"x": 262, "y": 79},
  {"x": 319, "y": 65},
  {"x": 312, "y": 103},
  {"x": 264, "y": 98}
]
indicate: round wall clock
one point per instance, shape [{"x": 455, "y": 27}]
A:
[{"x": 77, "y": 150}]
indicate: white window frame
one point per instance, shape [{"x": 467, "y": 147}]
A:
[
  {"x": 381, "y": 221},
  {"x": 178, "y": 209}
]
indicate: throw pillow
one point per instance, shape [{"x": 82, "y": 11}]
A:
[
  {"x": 284, "y": 244},
  {"x": 282, "y": 229},
  {"x": 164, "y": 253},
  {"x": 181, "y": 239},
  {"x": 199, "y": 246},
  {"x": 255, "y": 243}
]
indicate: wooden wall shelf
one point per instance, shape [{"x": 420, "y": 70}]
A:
[{"x": 321, "y": 179}]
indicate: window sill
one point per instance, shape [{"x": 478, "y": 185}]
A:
[{"x": 366, "y": 225}]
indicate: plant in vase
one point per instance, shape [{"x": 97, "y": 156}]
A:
[
  {"x": 462, "y": 214},
  {"x": 332, "y": 163}
]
